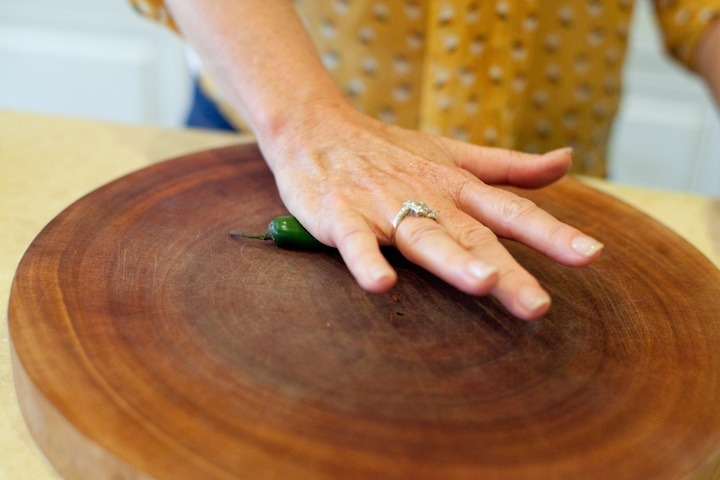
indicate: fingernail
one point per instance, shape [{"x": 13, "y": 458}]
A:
[
  {"x": 563, "y": 150},
  {"x": 481, "y": 270},
  {"x": 586, "y": 246},
  {"x": 533, "y": 298}
]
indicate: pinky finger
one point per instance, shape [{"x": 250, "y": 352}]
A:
[{"x": 358, "y": 246}]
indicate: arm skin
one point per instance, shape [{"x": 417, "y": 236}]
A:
[
  {"x": 345, "y": 175},
  {"x": 708, "y": 59}
]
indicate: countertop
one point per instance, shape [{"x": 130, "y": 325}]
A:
[{"x": 49, "y": 162}]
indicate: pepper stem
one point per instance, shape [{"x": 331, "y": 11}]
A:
[{"x": 258, "y": 236}]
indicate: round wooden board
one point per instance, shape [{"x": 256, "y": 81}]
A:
[{"x": 149, "y": 344}]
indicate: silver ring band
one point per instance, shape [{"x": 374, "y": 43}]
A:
[{"x": 412, "y": 208}]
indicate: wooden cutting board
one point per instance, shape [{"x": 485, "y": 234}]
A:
[{"x": 147, "y": 343}]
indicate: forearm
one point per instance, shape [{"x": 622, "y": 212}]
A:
[
  {"x": 260, "y": 56},
  {"x": 708, "y": 59}
]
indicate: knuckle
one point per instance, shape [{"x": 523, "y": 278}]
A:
[
  {"x": 347, "y": 236},
  {"x": 466, "y": 188},
  {"x": 475, "y": 237},
  {"x": 423, "y": 233},
  {"x": 344, "y": 237},
  {"x": 334, "y": 201},
  {"x": 554, "y": 231},
  {"x": 513, "y": 208}
]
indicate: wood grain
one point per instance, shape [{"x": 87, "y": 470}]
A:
[{"x": 149, "y": 344}]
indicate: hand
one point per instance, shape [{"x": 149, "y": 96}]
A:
[{"x": 345, "y": 176}]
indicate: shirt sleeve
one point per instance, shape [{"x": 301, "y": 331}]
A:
[
  {"x": 683, "y": 23},
  {"x": 154, "y": 10}
]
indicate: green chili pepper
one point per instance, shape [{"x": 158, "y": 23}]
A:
[{"x": 286, "y": 232}]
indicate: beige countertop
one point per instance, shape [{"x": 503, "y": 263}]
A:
[{"x": 49, "y": 162}]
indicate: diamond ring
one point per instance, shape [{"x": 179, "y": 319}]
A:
[{"x": 415, "y": 209}]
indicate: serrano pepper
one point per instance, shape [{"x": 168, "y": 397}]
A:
[{"x": 286, "y": 232}]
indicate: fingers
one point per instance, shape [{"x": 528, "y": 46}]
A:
[
  {"x": 522, "y": 295},
  {"x": 468, "y": 256},
  {"x": 508, "y": 167},
  {"x": 518, "y": 218},
  {"x": 426, "y": 243},
  {"x": 465, "y": 252},
  {"x": 511, "y": 216},
  {"x": 358, "y": 246}
]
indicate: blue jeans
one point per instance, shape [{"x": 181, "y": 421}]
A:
[{"x": 204, "y": 113}]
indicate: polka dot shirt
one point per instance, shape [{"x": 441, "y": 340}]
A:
[{"x": 528, "y": 75}]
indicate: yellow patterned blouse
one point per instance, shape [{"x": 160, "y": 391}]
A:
[{"x": 530, "y": 75}]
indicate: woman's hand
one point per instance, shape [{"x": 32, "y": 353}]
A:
[{"x": 345, "y": 176}]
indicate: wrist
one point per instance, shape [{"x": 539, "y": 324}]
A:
[
  {"x": 283, "y": 117},
  {"x": 292, "y": 125}
]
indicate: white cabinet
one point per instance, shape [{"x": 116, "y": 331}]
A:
[
  {"x": 90, "y": 58},
  {"x": 667, "y": 133}
]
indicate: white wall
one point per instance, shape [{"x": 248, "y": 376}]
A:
[
  {"x": 98, "y": 59},
  {"x": 90, "y": 58},
  {"x": 667, "y": 133}
]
